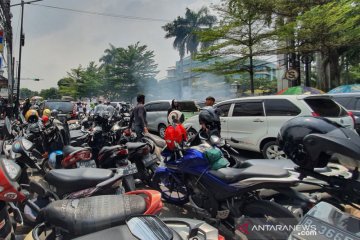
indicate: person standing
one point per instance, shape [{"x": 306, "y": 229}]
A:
[
  {"x": 174, "y": 106},
  {"x": 138, "y": 118},
  {"x": 209, "y": 101},
  {"x": 26, "y": 106}
]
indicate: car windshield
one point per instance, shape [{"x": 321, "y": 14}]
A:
[
  {"x": 188, "y": 106},
  {"x": 103, "y": 110},
  {"x": 60, "y": 106}
]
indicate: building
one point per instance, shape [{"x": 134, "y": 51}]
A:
[{"x": 182, "y": 82}]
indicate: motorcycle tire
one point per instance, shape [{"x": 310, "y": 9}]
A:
[
  {"x": 263, "y": 213},
  {"x": 161, "y": 181}
]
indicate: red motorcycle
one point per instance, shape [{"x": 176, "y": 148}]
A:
[{"x": 77, "y": 216}]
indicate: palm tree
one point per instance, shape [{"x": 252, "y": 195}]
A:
[{"x": 184, "y": 29}]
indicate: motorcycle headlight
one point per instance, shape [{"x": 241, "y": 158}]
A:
[{"x": 12, "y": 170}]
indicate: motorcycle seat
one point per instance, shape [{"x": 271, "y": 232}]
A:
[
  {"x": 76, "y": 134},
  {"x": 109, "y": 149},
  {"x": 232, "y": 175},
  {"x": 68, "y": 149},
  {"x": 157, "y": 140},
  {"x": 134, "y": 145},
  {"x": 280, "y": 163},
  {"x": 87, "y": 215},
  {"x": 71, "y": 180}
]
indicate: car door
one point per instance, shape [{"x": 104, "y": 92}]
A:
[
  {"x": 224, "y": 109},
  {"x": 247, "y": 124},
  {"x": 150, "y": 116},
  {"x": 277, "y": 112}
]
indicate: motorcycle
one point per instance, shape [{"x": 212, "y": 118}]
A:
[
  {"x": 167, "y": 229},
  {"x": 106, "y": 209},
  {"x": 328, "y": 219},
  {"x": 224, "y": 196}
]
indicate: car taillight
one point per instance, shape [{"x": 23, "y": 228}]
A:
[
  {"x": 315, "y": 114},
  {"x": 79, "y": 156},
  {"x": 351, "y": 114},
  {"x": 221, "y": 237},
  {"x": 123, "y": 152}
]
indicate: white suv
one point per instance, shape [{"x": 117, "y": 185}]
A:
[{"x": 254, "y": 122}]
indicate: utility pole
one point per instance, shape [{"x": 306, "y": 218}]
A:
[{"x": 22, "y": 43}]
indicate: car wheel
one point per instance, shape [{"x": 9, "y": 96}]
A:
[
  {"x": 191, "y": 133},
  {"x": 162, "y": 129},
  {"x": 272, "y": 151}
]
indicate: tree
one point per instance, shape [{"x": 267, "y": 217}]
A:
[
  {"x": 127, "y": 70},
  {"x": 331, "y": 28},
  {"x": 27, "y": 93},
  {"x": 184, "y": 30},
  {"x": 51, "y": 93},
  {"x": 243, "y": 34},
  {"x": 82, "y": 82},
  {"x": 67, "y": 87}
]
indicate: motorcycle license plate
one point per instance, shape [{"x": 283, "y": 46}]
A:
[
  {"x": 320, "y": 230},
  {"x": 86, "y": 164},
  {"x": 149, "y": 160},
  {"x": 128, "y": 170}
]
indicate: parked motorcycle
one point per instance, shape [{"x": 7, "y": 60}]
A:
[
  {"x": 226, "y": 195},
  {"x": 327, "y": 220},
  {"x": 166, "y": 229}
]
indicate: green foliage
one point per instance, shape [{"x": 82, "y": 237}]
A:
[
  {"x": 82, "y": 82},
  {"x": 127, "y": 71},
  {"x": 51, "y": 93},
  {"x": 243, "y": 34},
  {"x": 27, "y": 93},
  {"x": 185, "y": 29}
]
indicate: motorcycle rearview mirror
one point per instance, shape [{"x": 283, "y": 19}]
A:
[{"x": 149, "y": 227}]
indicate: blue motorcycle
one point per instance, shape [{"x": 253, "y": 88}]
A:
[{"x": 227, "y": 196}]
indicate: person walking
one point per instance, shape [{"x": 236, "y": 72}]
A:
[{"x": 138, "y": 118}]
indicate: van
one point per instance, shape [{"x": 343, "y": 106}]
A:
[{"x": 254, "y": 122}]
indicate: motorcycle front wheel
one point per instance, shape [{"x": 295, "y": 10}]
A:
[{"x": 172, "y": 189}]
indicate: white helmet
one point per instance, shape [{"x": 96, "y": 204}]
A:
[{"x": 176, "y": 117}]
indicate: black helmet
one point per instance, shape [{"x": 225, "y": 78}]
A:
[
  {"x": 209, "y": 117},
  {"x": 311, "y": 141}
]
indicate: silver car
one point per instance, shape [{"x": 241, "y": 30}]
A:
[{"x": 156, "y": 113}]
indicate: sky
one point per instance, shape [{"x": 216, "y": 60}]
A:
[{"x": 58, "y": 40}]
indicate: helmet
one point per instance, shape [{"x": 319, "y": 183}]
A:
[
  {"x": 209, "y": 117},
  {"x": 47, "y": 112},
  {"x": 311, "y": 141},
  {"x": 31, "y": 116},
  {"x": 54, "y": 113},
  {"x": 45, "y": 119},
  {"x": 176, "y": 117}
]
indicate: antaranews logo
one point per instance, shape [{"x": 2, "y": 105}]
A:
[{"x": 251, "y": 227}]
